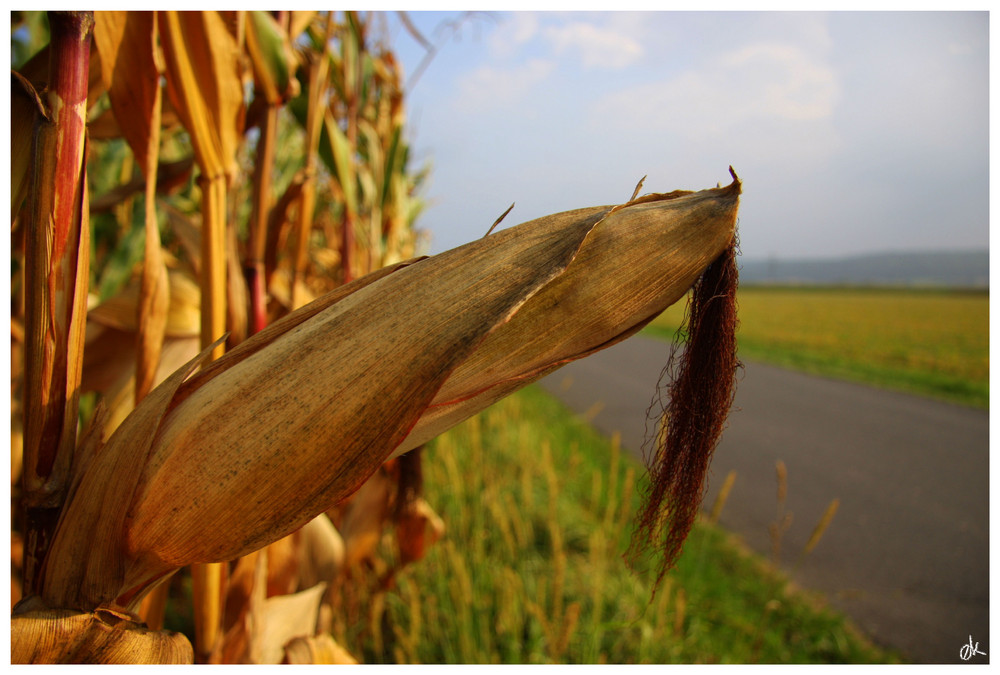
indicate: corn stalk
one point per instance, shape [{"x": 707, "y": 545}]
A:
[{"x": 57, "y": 248}]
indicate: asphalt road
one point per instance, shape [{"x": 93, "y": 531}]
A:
[{"x": 907, "y": 554}]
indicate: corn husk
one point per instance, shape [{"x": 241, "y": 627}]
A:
[
  {"x": 316, "y": 650},
  {"x": 105, "y": 635},
  {"x": 296, "y": 418},
  {"x": 322, "y": 552}
]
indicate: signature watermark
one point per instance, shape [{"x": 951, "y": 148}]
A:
[{"x": 970, "y": 650}]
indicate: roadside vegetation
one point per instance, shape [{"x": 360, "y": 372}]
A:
[
  {"x": 928, "y": 342},
  {"x": 539, "y": 510}
]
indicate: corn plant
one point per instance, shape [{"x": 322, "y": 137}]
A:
[{"x": 324, "y": 349}]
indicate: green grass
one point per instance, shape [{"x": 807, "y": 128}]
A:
[
  {"x": 538, "y": 509},
  {"x": 928, "y": 342}
]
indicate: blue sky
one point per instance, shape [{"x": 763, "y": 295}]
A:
[{"x": 853, "y": 132}]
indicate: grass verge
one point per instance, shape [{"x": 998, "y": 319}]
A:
[
  {"x": 539, "y": 510},
  {"x": 928, "y": 342}
]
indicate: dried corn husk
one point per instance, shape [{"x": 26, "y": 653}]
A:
[
  {"x": 317, "y": 649},
  {"x": 321, "y": 552},
  {"x": 297, "y": 417},
  {"x": 106, "y": 635}
]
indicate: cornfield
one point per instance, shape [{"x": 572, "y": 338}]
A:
[{"x": 225, "y": 355}]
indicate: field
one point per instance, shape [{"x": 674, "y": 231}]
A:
[
  {"x": 933, "y": 343},
  {"x": 538, "y": 510}
]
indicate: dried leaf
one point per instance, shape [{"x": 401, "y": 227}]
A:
[
  {"x": 203, "y": 80},
  {"x": 202, "y": 59},
  {"x": 25, "y": 108},
  {"x": 299, "y": 21},
  {"x": 77, "y": 573},
  {"x": 127, "y": 42},
  {"x": 417, "y": 529},
  {"x": 271, "y": 55},
  {"x": 119, "y": 311},
  {"x": 364, "y": 517}
]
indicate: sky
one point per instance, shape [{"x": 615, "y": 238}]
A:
[{"x": 852, "y": 132}]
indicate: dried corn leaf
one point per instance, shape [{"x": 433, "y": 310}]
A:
[
  {"x": 127, "y": 42},
  {"x": 364, "y": 516},
  {"x": 119, "y": 311},
  {"x": 271, "y": 55},
  {"x": 78, "y": 574},
  {"x": 417, "y": 529},
  {"x": 203, "y": 79},
  {"x": 343, "y": 166},
  {"x": 299, "y": 21},
  {"x": 202, "y": 59},
  {"x": 25, "y": 108}
]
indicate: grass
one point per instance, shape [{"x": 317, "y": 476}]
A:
[
  {"x": 928, "y": 342},
  {"x": 539, "y": 508}
]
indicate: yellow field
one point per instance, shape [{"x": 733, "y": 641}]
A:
[{"x": 930, "y": 342}]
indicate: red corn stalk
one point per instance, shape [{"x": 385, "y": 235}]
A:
[{"x": 57, "y": 259}]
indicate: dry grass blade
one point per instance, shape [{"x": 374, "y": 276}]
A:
[{"x": 821, "y": 526}]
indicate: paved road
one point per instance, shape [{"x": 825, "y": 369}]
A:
[{"x": 907, "y": 555}]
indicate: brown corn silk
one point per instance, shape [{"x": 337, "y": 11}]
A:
[{"x": 702, "y": 383}]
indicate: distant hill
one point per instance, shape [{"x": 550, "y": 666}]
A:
[{"x": 966, "y": 269}]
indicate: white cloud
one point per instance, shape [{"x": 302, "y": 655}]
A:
[
  {"x": 768, "y": 98},
  {"x": 488, "y": 87},
  {"x": 781, "y": 81},
  {"x": 516, "y": 29},
  {"x": 596, "y": 46}
]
